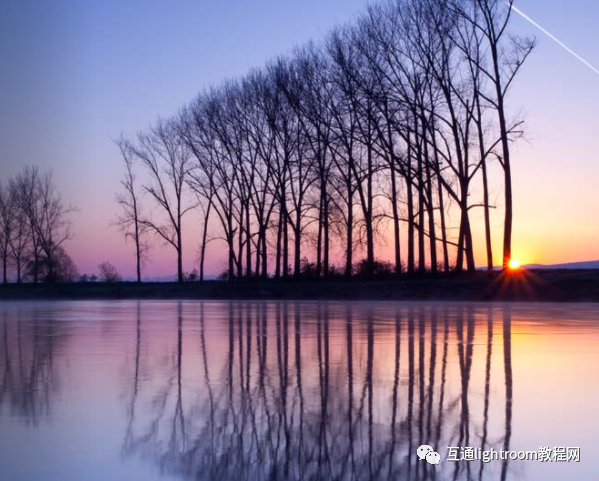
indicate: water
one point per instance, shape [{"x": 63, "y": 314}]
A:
[{"x": 294, "y": 390}]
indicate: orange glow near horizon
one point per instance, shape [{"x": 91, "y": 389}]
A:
[{"x": 514, "y": 264}]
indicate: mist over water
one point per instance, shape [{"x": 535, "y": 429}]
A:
[{"x": 294, "y": 390}]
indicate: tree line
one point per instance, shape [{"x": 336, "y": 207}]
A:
[
  {"x": 383, "y": 132},
  {"x": 34, "y": 226}
]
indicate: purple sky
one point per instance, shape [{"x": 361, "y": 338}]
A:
[{"x": 76, "y": 75}]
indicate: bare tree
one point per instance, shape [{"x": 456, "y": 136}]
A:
[
  {"x": 167, "y": 162},
  {"x": 20, "y": 241},
  {"x": 260, "y": 143},
  {"x": 47, "y": 217},
  {"x": 130, "y": 219},
  {"x": 6, "y": 229},
  {"x": 109, "y": 272},
  {"x": 306, "y": 91},
  {"x": 26, "y": 187},
  {"x": 507, "y": 55},
  {"x": 294, "y": 148},
  {"x": 215, "y": 172},
  {"x": 193, "y": 129},
  {"x": 393, "y": 120}
]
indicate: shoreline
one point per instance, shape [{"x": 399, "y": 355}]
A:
[{"x": 566, "y": 285}]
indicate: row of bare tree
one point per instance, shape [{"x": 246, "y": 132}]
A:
[
  {"x": 34, "y": 225},
  {"x": 383, "y": 133}
]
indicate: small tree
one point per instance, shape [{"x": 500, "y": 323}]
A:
[
  {"x": 108, "y": 272},
  {"x": 192, "y": 276}
]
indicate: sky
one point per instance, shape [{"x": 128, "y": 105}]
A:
[{"x": 75, "y": 75}]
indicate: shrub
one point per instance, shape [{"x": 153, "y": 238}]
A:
[
  {"x": 108, "y": 272},
  {"x": 336, "y": 271},
  {"x": 192, "y": 276},
  {"x": 307, "y": 268},
  {"x": 380, "y": 269}
]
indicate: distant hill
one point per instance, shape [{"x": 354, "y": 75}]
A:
[{"x": 568, "y": 265}]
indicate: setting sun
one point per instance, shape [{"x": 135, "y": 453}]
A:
[{"x": 514, "y": 264}]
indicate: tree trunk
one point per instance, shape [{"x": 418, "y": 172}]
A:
[
  {"x": 369, "y": 226},
  {"x": 231, "y": 269},
  {"x": 257, "y": 262},
  {"x": 230, "y": 241},
  {"x": 285, "y": 246},
  {"x": 469, "y": 247},
  {"x": 4, "y": 269},
  {"x": 410, "y": 199},
  {"x": 36, "y": 260},
  {"x": 507, "y": 232},
  {"x": 240, "y": 246},
  {"x": 326, "y": 237},
  {"x": 179, "y": 255},
  {"x": 395, "y": 210},
  {"x": 421, "y": 252},
  {"x": 369, "y": 245},
  {"x": 248, "y": 246},
  {"x": 319, "y": 237},
  {"x": 487, "y": 217},
  {"x": 483, "y": 157},
  {"x": 50, "y": 261},
  {"x": 350, "y": 228},
  {"x": 432, "y": 236},
  {"x": 279, "y": 244},
  {"x": 137, "y": 251},
  {"x": 204, "y": 240},
  {"x": 459, "y": 263},
  {"x": 443, "y": 229},
  {"x": 298, "y": 242},
  {"x": 264, "y": 254}
]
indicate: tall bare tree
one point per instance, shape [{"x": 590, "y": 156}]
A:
[
  {"x": 167, "y": 162},
  {"x": 393, "y": 121},
  {"x": 130, "y": 220},
  {"x": 508, "y": 53}
]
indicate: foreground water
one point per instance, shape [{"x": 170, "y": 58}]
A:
[{"x": 295, "y": 390}]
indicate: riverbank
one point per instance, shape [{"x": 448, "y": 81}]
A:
[{"x": 523, "y": 286}]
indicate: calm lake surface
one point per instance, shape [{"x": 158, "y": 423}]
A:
[{"x": 144, "y": 390}]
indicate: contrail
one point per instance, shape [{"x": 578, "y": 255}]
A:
[{"x": 553, "y": 37}]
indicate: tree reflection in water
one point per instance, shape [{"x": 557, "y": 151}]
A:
[
  {"x": 28, "y": 375},
  {"x": 316, "y": 391}
]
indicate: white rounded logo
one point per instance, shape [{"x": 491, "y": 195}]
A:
[
  {"x": 423, "y": 450},
  {"x": 433, "y": 458},
  {"x": 427, "y": 452}
]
